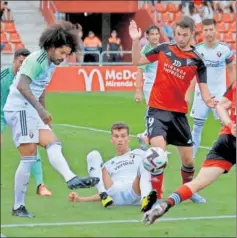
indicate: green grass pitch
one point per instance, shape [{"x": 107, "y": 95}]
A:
[{"x": 101, "y": 110}]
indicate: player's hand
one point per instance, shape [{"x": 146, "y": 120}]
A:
[
  {"x": 212, "y": 102},
  {"x": 73, "y": 197},
  {"x": 134, "y": 32},
  {"x": 138, "y": 96},
  {"x": 232, "y": 127},
  {"x": 45, "y": 116}
]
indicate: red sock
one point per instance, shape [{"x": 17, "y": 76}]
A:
[
  {"x": 187, "y": 174},
  {"x": 181, "y": 194},
  {"x": 157, "y": 181}
]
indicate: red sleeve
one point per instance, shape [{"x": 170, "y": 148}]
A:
[
  {"x": 229, "y": 92},
  {"x": 152, "y": 55},
  {"x": 201, "y": 72}
]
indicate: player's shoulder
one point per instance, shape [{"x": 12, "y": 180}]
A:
[
  {"x": 38, "y": 56},
  {"x": 166, "y": 44},
  {"x": 198, "y": 55},
  {"x": 223, "y": 45},
  {"x": 137, "y": 152},
  {"x": 146, "y": 48},
  {"x": 4, "y": 72},
  {"x": 200, "y": 45}
]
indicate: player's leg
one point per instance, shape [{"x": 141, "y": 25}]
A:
[
  {"x": 94, "y": 166},
  {"x": 37, "y": 172},
  {"x": 142, "y": 137},
  {"x": 142, "y": 187},
  {"x": 182, "y": 138},
  {"x": 205, "y": 177},
  {"x": 53, "y": 147},
  {"x": 157, "y": 121},
  {"x": 220, "y": 159},
  {"x": 17, "y": 122},
  {"x": 187, "y": 170},
  {"x": 199, "y": 113},
  {"x": 22, "y": 176}
]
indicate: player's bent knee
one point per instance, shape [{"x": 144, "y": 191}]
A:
[
  {"x": 46, "y": 137},
  {"x": 27, "y": 149},
  {"x": 93, "y": 155}
]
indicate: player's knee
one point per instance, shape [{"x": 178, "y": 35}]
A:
[
  {"x": 187, "y": 160},
  {"x": 94, "y": 155},
  {"x": 28, "y": 149},
  {"x": 47, "y": 137}
]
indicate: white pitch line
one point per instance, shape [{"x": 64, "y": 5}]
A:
[
  {"x": 107, "y": 132},
  {"x": 116, "y": 221}
]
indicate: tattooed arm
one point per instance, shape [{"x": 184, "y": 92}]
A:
[
  {"x": 42, "y": 99},
  {"x": 24, "y": 88}
]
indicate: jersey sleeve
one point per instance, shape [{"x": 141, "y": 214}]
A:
[
  {"x": 143, "y": 67},
  {"x": 152, "y": 55},
  {"x": 31, "y": 67},
  {"x": 201, "y": 72},
  {"x": 229, "y": 92},
  {"x": 229, "y": 55}
]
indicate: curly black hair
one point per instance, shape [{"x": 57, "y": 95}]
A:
[{"x": 60, "y": 34}]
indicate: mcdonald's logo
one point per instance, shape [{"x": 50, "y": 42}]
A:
[{"x": 89, "y": 77}]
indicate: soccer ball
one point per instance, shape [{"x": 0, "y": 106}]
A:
[{"x": 155, "y": 160}]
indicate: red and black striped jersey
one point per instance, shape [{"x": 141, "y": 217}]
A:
[
  {"x": 231, "y": 95},
  {"x": 176, "y": 70}
]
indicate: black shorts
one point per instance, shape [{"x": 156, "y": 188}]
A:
[
  {"x": 222, "y": 153},
  {"x": 173, "y": 126}
]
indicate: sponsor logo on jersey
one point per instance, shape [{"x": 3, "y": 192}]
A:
[
  {"x": 218, "y": 53},
  {"x": 123, "y": 164}
]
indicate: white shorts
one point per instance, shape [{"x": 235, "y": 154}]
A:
[
  {"x": 199, "y": 108},
  {"x": 147, "y": 91},
  {"x": 25, "y": 126},
  {"x": 123, "y": 194}
]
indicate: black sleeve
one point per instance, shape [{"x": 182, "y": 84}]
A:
[
  {"x": 153, "y": 54},
  {"x": 201, "y": 72}
]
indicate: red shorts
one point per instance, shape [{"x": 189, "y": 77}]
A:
[{"x": 226, "y": 165}]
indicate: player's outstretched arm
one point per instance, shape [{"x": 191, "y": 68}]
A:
[
  {"x": 231, "y": 71},
  {"x": 73, "y": 197},
  {"x": 222, "y": 109},
  {"x": 139, "y": 80},
  {"x": 206, "y": 95},
  {"x": 190, "y": 90},
  {"x": 24, "y": 88},
  {"x": 135, "y": 34}
]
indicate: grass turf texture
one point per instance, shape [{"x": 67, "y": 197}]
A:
[{"x": 101, "y": 110}]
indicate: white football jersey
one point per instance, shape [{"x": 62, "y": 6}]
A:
[
  {"x": 125, "y": 167},
  {"x": 215, "y": 59},
  {"x": 37, "y": 67}
]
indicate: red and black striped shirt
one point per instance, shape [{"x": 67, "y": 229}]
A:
[{"x": 176, "y": 70}]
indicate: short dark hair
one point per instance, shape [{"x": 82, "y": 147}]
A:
[
  {"x": 21, "y": 52},
  {"x": 186, "y": 22},
  {"x": 119, "y": 126},
  {"x": 152, "y": 27},
  {"x": 207, "y": 22},
  {"x": 60, "y": 34}
]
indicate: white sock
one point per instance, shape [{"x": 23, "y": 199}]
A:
[
  {"x": 145, "y": 181},
  {"x": 197, "y": 134},
  {"x": 94, "y": 166},
  {"x": 22, "y": 177},
  {"x": 57, "y": 160}
]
